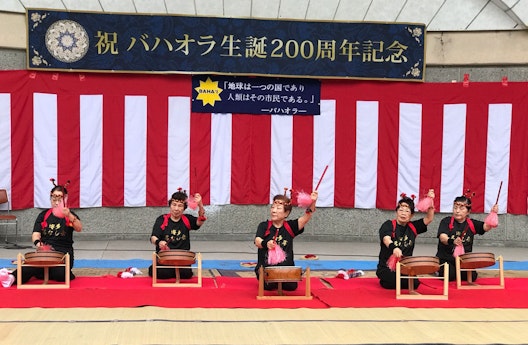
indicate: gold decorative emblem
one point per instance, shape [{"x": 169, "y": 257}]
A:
[{"x": 67, "y": 41}]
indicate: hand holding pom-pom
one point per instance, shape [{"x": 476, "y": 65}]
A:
[
  {"x": 391, "y": 263},
  {"x": 458, "y": 250},
  {"x": 192, "y": 203},
  {"x": 45, "y": 248},
  {"x": 492, "y": 219},
  {"x": 276, "y": 255},
  {"x": 304, "y": 200}
]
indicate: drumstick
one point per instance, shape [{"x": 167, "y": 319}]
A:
[
  {"x": 498, "y": 194},
  {"x": 321, "y": 178}
]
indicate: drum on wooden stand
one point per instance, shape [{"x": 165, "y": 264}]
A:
[
  {"x": 283, "y": 274},
  {"x": 44, "y": 259},
  {"x": 471, "y": 261},
  {"x": 176, "y": 259},
  {"x": 414, "y": 266}
]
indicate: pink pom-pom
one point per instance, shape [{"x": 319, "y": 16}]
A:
[
  {"x": 459, "y": 250},
  {"x": 276, "y": 255},
  {"x": 425, "y": 203},
  {"x": 492, "y": 220},
  {"x": 391, "y": 263},
  {"x": 304, "y": 199},
  {"x": 192, "y": 204}
]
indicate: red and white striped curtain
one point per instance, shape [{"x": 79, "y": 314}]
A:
[{"x": 131, "y": 140}]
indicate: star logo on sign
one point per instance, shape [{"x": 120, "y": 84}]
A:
[{"x": 208, "y": 92}]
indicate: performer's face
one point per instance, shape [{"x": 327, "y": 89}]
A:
[
  {"x": 403, "y": 213},
  {"x": 277, "y": 211},
  {"x": 176, "y": 208},
  {"x": 56, "y": 198},
  {"x": 460, "y": 211}
]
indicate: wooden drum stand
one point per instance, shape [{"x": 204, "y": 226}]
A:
[
  {"x": 176, "y": 259},
  {"x": 414, "y": 266},
  {"x": 283, "y": 274},
  {"x": 471, "y": 261},
  {"x": 45, "y": 260}
]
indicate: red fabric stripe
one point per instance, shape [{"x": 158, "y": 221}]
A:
[
  {"x": 68, "y": 134},
  {"x": 251, "y": 159},
  {"x": 113, "y": 150},
  {"x": 431, "y": 149},
  {"x": 157, "y": 110},
  {"x": 200, "y": 173},
  {"x": 475, "y": 153},
  {"x": 303, "y": 148},
  {"x": 518, "y": 177},
  {"x": 345, "y": 155},
  {"x": 22, "y": 166},
  {"x": 387, "y": 155}
]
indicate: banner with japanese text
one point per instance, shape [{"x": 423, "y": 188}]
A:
[
  {"x": 244, "y": 95},
  {"x": 77, "y": 41}
]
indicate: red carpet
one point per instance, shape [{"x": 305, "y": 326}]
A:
[
  {"x": 367, "y": 293},
  {"x": 110, "y": 291},
  {"x": 234, "y": 292}
]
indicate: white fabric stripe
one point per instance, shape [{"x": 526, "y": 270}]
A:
[
  {"x": 281, "y": 154},
  {"x": 179, "y": 144},
  {"x": 324, "y": 152},
  {"x": 44, "y": 146},
  {"x": 409, "y": 149},
  {"x": 91, "y": 151},
  {"x": 221, "y": 141},
  {"x": 5, "y": 145},
  {"x": 498, "y": 155},
  {"x": 135, "y": 191},
  {"x": 367, "y": 123},
  {"x": 453, "y": 152}
]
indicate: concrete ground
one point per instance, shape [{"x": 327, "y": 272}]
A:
[{"x": 229, "y": 255}]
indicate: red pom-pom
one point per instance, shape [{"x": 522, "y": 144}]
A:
[
  {"x": 45, "y": 248},
  {"x": 391, "y": 263}
]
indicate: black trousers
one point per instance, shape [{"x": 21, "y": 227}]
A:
[
  {"x": 167, "y": 273},
  {"x": 388, "y": 280}
]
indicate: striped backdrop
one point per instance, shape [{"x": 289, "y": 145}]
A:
[{"x": 131, "y": 140}]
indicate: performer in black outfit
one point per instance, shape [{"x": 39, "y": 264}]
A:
[
  {"x": 459, "y": 229},
  {"x": 398, "y": 236},
  {"x": 172, "y": 231},
  {"x": 53, "y": 230},
  {"x": 280, "y": 232}
]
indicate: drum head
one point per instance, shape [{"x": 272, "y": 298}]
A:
[
  {"x": 176, "y": 257},
  {"x": 476, "y": 260},
  {"x": 416, "y": 265},
  {"x": 44, "y": 258}
]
